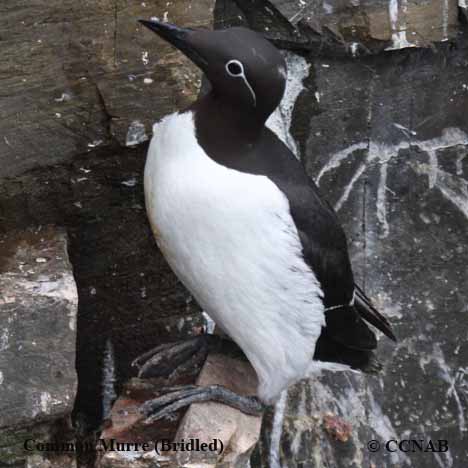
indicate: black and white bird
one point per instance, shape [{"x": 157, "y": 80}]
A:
[{"x": 246, "y": 230}]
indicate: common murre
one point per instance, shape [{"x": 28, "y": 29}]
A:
[{"x": 247, "y": 231}]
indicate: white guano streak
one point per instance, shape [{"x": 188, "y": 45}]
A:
[
  {"x": 277, "y": 431},
  {"x": 453, "y": 382},
  {"x": 280, "y": 121},
  {"x": 445, "y": 18},
  {"x": 453, "y": 188},
  {"x": 63, "y": 288},
  {"x": 398, "y": 24}
]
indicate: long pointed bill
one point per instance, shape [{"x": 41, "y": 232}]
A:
[{"x": 178, "y": 37}]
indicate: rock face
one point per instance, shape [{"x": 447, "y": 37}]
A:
[
  {"x": 206, "y": 422},
  {"x": 355, "y": 27},
  {"x": 382, "y": 131},
  {"x": 78, "y": 76},
  {"x": 82, "y": 170},
  {"x": 397, "y": 23},
  {"x": 38, "y": 307}
]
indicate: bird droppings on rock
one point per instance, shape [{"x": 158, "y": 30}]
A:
[
  {"x": 130, "y": 182},
  {"x": 37, "y": 338},
  {"x": 136, "y": 133},
  {"x": 280, "y": 121}
]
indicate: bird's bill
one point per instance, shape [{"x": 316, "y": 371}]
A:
[{"x": 178, "y": 37}]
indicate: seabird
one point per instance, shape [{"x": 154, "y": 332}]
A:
[{"x": 247, "y": 231}]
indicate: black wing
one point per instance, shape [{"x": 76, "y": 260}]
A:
[
  {"x": 368, "y": 312},
  {"x": 325, "y": 251},
  {"x": 323, "y": 240}
]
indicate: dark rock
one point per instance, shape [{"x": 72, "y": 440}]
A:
[
  {"x": 337, "y": 28},
  {"x": 130, "y": 301},
  {"x": 77, "y": 76},
  {"x": 388, "y": 148}
]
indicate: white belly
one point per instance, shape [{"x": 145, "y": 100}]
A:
[{"x": 230, "y": 238}]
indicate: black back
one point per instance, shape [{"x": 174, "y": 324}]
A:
[{"x": 323, "y": 240}]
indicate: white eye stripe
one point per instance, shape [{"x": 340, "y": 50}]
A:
[{"x": 241, "y": 74}]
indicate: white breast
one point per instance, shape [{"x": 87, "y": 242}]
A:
[{"x": 230, "y": 238}]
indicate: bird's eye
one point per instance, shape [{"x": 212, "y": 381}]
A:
[{"x": 235, "y": 68}]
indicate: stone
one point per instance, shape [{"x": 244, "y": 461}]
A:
[
  {"x": 396, "y": 23},
  {"x": 237, "y": 431},
  {"x": 75, "y": 77},
  {"x": 203, "y": 421},
  {"x": 336, "y": 27},
  {"x": 147, "y": 69},
  {"x": 463, "y": 5},
  {"x": 38, "y": 307},
  {"x": 125, "y": 424},
  {"x": 130, "y": 301}
]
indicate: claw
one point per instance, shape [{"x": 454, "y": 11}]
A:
[
  {"x": 140, "y": 360},
  {"x": 166, "y": 359},
  {"x": 171, "y": 358}
]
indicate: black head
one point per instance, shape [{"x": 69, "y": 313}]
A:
[{"x": 244, "y": 69}]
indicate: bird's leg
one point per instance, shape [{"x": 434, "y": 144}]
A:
[
  {"x": 181, "y": 396},
  {"x": 170, "y": 357}
]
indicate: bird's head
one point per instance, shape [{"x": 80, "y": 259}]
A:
[{"x": 244, "y": 69}]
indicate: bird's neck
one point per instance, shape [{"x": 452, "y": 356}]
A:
[{"x": 221, "y": 123}]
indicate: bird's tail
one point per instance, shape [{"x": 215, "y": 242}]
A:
[{"x": 328, "y": 349}]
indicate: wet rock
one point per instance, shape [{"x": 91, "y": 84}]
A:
[{"x": 38, "y": 306}]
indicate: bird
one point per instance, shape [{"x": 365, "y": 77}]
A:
[{"x": 247, "y": 231}]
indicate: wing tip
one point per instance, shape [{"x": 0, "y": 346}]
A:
[{"x": 370, "y": 314}]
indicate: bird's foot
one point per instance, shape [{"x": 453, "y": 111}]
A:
[
  {"x": 181, "y": 356},
  {"x": 168, "y": 358},
  {"x": 181, "y": 396}
]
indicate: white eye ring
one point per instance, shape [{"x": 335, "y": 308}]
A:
[
  {"x": 237, "y": 66},
  {"x": 239, "y": 72}
]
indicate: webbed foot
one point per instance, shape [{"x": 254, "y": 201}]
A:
[
  {"x": 166, "y": 359},
  {"x": 179, "y": 397}
]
